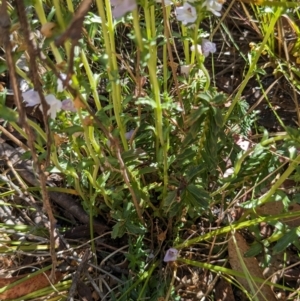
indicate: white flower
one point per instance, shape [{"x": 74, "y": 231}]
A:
[
  {"x": 186, "y": 13},
  {"x": 185, "y": 69},
  {"x": 121, "y": 7},
  {"x": 68, "y": 105},
  {"x": 55, "y": 105},
  {"x": 31, "y": 97},
  {"x": 208, "y": 47},
  {"x": 167, "y": 2},
  {"x": 60, "y": 84},
  {"x": 213, "y": 6},
  {"x": 196, "y": 48},
  {"x": 205, "y": 48},
  {"x": 228, "y": 172}
]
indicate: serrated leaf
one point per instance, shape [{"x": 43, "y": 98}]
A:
[
  {"x": 200, "y": 195},
  {"x": 171, "y": 204},
  {"x": 118, "y": 230}
]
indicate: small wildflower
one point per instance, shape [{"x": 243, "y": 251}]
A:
[
  {"x": 31, "y": 97},
  {"x": 60, "y": 84},
  {"x": 185, "y": 69},
  {"x": 186, "y": 13},
  {"x": 68, "y": 105},
  {"x": 55, "y": 105},
  {"x": 208, "y": 47},
  {"x": 214, "y": 6},
  {"x": 129, "y": 134},
  {"x": 205, "y": 48},
  {"x": 171, "y": 255},
  {"x": 196, "y": 48},
  {"x": 122, "y": 7},
  {"x": 228, "y": 172}
]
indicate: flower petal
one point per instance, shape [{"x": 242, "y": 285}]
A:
[
  {"x": 122, "y": 7},
  {"x": 54, "y": 104},
  {"x": 31, "y": 97},
  {"x": 186, "y": 13},
  {"x": 68, "y": 105},
  {"x": 171, "y": 255}
]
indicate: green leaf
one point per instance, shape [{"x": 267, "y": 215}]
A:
[
  {"x": 254, "y": 250},
  {"x": 105, "y": 120},
  {"x": 118, "y": 230},
  {"x": 146, "y": 101},
  {"x": 148, "y": 169},
  {"x": 171, "y": 204},
  {"x": 287, "y": 239},
  {"x": 73, "y": 129},
  {"x": 8, "y": 114},
  {"x": 200, "y": 195},
  {"x": 195, "y": 115}
]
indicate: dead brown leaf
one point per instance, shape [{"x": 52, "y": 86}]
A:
[
  {"x": 274, "y": 208},
  {"x": 162, "y": 236},
  {"x": 78, "y": 103},
  {"x": 223, "y": 291},
  {"x": 265, "y": 292},
  {"x": 28, "y": 286},
  {"x": 47, "y": 29}
]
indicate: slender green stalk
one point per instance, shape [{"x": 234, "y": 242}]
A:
[
  {"x": 112, "y": 67},
  {"x": 236, "y": 226},
  {"x": 253, "y": 63},
  {"x": 136, "y": 25},
  {"x": 226, "y": 271},
  {"x": 59, "y": 14},
  {"x": 186, "y": 48},
  {"x": 38, "y": 5},
  {"x": 150, "y": 272},
  {"x": 165, "y": 51},
  {"x": 293, "y": 165},
  {"x": 70, "y": 6},
  {"x": 152, "y": 68},
  {"x": 92, "y": 81}
]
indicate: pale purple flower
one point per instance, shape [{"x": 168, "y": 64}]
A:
[
  {"x": 68, "y": 105},
  {"x": 122, "y": 7},
  {"x": 54, "y": 104},
  {"x": 171, "y": 255},
  {"x": 31, "y": 97},
  {"x": 213, "y": 6},
  {"x": 129, "y": 134},
  {"x": 208, "y": 47},
  {"x": 186, "y": 13},
  {"x": 205, "y": 48}
]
